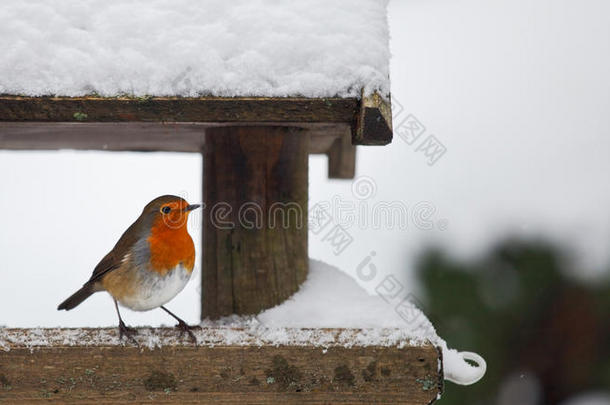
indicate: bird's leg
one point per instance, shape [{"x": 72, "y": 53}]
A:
[
  {"x": 183, "y": 326},
  {"x": 124, "y": 330}
]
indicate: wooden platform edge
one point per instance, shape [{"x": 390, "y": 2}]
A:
[{"x": 227, "y": 373}]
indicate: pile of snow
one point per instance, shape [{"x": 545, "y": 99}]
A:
[
  {"x": 312, "y": 48},
  {"x": 330, "y": 298}
]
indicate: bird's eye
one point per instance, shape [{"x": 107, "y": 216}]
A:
[{"x": 166, "y": 210}]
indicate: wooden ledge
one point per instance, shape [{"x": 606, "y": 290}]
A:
[
  {"x": 364, "y": 116},
  {"x": 177, "y": 109},
  {"x": 38, "y": 365}
]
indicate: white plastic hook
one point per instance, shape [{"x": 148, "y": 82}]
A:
[{"x": 469, "y": 374}]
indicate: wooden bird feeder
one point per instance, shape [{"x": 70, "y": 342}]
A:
[
  {"x": 255, "y": 154},
  {"x": 255, "y": 151}
]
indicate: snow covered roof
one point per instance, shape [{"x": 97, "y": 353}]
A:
[{"x": 312, "y": 48}]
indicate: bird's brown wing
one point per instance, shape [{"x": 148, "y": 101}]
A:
[
  {"x": 115, "y": 257},
  {"x": 107, "y": 264}
]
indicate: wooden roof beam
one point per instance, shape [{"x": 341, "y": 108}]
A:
[{"x": 24, "y": 119}]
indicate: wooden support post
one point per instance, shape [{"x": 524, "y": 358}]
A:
[{"x": 255, "y": 192}]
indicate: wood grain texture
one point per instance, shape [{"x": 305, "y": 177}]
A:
[
  {"x": 255, "y": 182},
  {"x": 186, "y": 374},
  {"x": 342, "y": 158},
  {"x": 22, "y": 116},
  {"x": 139, "y": 136},
  {"x": 177, "y": 109}
]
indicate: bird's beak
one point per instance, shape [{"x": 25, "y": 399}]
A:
[{"x": 191, "y": 207}]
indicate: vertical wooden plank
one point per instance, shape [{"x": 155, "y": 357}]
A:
[
  {"x": 255, "y": 218},
  {"x": 342, "y": 158}
]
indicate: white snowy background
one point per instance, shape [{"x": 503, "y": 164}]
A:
[{"x": 517, "y": 91}]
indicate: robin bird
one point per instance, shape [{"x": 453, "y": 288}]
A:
[{"x": 150, "y": 264}]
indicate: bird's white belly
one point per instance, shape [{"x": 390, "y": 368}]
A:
[{"x": 155, "y": 290}]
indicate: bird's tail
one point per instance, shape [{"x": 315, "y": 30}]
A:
[{"x": 76, "y": 298}]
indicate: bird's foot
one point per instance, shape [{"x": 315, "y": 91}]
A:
[
  {"x": 128, "y": 332},
  {"x": 186, "y": 328}
]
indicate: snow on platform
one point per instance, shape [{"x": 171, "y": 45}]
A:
[
  {"x": 329, "y": 310},
  {"x": 238, "y": 333},
  {"x": 312, "y": 48}
]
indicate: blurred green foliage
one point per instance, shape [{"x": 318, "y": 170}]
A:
[{"x": 519, "y": 309}]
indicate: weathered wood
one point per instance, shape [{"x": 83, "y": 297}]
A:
[
  {"x": 138, "y": 136},
  {"x": 177, "y": 109},
  {"x": 113, "y": 136},
  {"x": 187, "y": 374},
  {"x": 374, "y": 121},
  {"x": 368, "y": 117},
  {"x": 150, "y": 137},
  {"x": 255, "y": 226},
  {"x": 342, "y": 158}
]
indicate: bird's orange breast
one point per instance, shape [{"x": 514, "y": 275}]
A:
[{"x": 170, "y": 247}]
